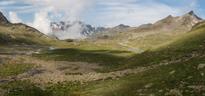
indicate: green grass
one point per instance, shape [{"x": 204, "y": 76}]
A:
[
  {"x": 187, "y": 50},
  {"x": 22, "y": 88},
  {"x": 159, "y": 78},
  {"x": 181, "y": 48},
  {"x": 64, "y": 89},
  {"x": 13, "y": 69},
  {"x": 161, "y": 81},
  {"x": 19, "y": 34},
  {"x": 6, "y": 39},
  {"x": 184, "y": 47},
  {"x": 180, "y": 76},
  {"x": 106, "y": 58},
  {"x": 186, "y": 75},
  {"x": 27, "y": 88}
]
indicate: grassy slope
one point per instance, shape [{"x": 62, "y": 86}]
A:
[
  {"x": 120, "y": 58},
  {"x": 23, "y": 34},
  {"x": 181, "y": 77},
  {"x": 176, "y": 79},
  {"x": 13, "y": 69}
]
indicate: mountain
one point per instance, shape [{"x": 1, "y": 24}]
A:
[
  {"x": 3, "y": 19},
  {"x": 121, "y": 26},
  {"x": 84, "y": 30},
  {"x": 61, "y": 29},
  {"x": 171, "y": 24},
  {"x": 171, "y": 71},
  {"x": 20, "y": 33},
  {"x": 147, "y": 36}
]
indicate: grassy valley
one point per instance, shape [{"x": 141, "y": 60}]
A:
[{"x": 136, "y": 63}]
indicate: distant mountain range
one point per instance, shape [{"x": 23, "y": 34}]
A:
[
  {"x": 84, "y": 30},
  {"x": 170, "y": 23},
  {"x": 74, "y": 30}
]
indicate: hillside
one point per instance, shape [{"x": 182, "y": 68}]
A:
[
  {"x": 21, "y": 34},
  {"x": 180, "y": 71},
  {"x": 148, "y": 36},
  {"x": 176, "y": 69}
]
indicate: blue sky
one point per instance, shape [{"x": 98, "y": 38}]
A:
[{"x": 97, "y": 12}]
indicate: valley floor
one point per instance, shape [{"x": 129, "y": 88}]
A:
[
  {"x": 88, "y": 79},
  {"x": 176, "y": 69}
]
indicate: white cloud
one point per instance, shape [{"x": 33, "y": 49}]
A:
[
  {"x": 72, "y": 33},
  {"x": 41, "y": 22},
  {"x": 71, "y": 9},
  {"x": 14, "y": 17}
]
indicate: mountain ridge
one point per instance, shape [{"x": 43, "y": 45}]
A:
[
  {"x": 170, "y": 23},
  {"x": 185, "y": 22}
]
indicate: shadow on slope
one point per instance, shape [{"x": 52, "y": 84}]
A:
[
  {"x": 183, "y": 76},
  {"x": 186, "y": 47},
  {"x": 102, "y": 57}
]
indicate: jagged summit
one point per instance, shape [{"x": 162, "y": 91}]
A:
[
  {"x": 193, "y": 14},
  {"x": 3, "y": 19},
  {"x": 61, "y": 29}
]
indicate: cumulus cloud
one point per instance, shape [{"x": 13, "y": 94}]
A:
[
  {"x": 70, "y": 10},
  {"x": 41, "y": 22},
  {"x": 74, "y": 32},
  {"x": 13, "y": 17}
]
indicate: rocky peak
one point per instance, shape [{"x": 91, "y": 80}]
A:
[
  {"x": 193, "y": 15},
  {"x": 122, "y": 26},
  {"x": 174, "y": 23},
  {"x": 167, "y": 20},
  {"x": 3, "y": 19}
]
